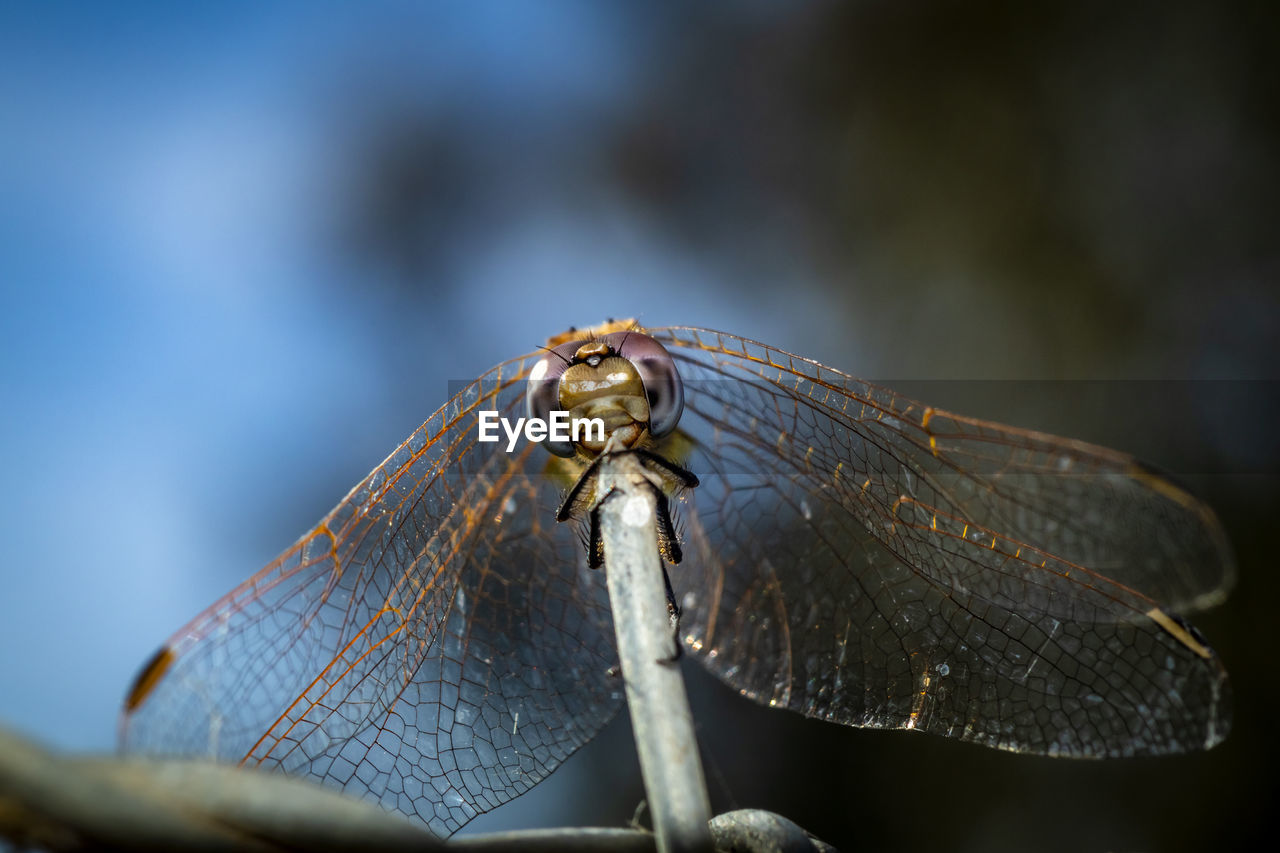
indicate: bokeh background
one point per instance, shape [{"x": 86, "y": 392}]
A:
[{"x": 244, "y": 249}]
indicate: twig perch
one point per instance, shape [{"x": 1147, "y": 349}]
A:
[{"x": 660, "y": 717}]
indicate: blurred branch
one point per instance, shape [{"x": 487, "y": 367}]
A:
[
  {"x": 57, "y": 803},
  {"x": 77, "y": 803}
]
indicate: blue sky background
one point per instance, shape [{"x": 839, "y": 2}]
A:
[
  {"x": 244, "y": 250},
  {"x": 191, "y": 373}
]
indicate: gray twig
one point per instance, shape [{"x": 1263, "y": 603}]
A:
[{"x": 660, "y": 718}]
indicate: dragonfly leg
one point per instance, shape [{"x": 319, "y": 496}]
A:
[
  {"x": 595, "y": 542},
  {"x": 668, "y": 542},
  {"x": 673, "y": 612},
  {"x": 673, "y": 609},
  {"x": 651, "y": 460},
  {"x": 574, "y": 501}
]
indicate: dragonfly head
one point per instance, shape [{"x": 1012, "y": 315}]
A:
[{"x": 627, "y": 379}]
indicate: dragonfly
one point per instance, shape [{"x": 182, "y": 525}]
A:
[{"x": 440, "y": 642}]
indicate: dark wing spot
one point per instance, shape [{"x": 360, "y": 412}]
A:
[{"x": 149, "y": 678}]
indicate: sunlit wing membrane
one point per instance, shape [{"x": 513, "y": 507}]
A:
[
  {"x": 862, "y": 558},
  {"x": 437, "y": 643}
]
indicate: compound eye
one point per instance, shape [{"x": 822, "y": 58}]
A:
[
  {"x": 662, "y": 385},
  {"x": 543, "y": 394}
]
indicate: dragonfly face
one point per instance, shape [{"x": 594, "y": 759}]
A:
[
  {"x": 627, "y": 379},
  {"x": 439, "y": 644}
]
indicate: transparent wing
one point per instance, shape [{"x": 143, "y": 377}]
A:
[
  {"x": 862, "y": 558},
  {"x": 436, "y": 643}
]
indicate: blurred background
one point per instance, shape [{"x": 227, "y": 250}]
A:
[{"x": 243, "y": 250}]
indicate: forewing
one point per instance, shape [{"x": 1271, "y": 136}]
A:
[
  {"x": 436, "y": 643},
  {"x": 863, "y": 558}
]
